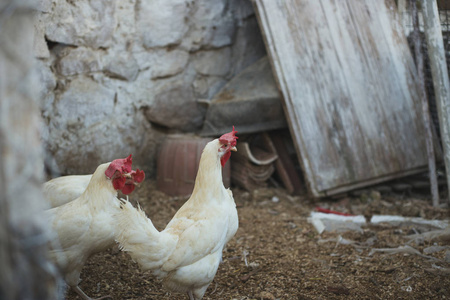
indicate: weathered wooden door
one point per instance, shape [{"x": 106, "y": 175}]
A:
[{"x": 348, "y": 82}]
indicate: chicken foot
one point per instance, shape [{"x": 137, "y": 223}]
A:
[
  {"x": 191, "y": 297},
  {"x": 86, "y": 297}
]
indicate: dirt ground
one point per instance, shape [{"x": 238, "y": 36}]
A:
[{"x": 277, "y": 254}]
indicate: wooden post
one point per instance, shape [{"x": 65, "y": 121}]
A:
[
  {"x": 439, "y": 72},
  {"x": 404, "y": 16},
  {"x": 425, "y": 108}
]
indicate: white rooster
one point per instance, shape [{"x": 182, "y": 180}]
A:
[
  {"x": 85, "y": 226},
  {"x": 187, "y": 253},
  {"x": 64, "y": 189}
]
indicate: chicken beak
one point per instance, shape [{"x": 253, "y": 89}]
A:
[
  {"x": 127, "y": 175},
  {"x": 234, "y": 149}
]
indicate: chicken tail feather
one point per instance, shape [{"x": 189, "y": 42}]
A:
[{"x": 138, "y": 236}]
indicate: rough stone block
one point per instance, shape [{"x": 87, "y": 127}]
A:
[{"x": 82, "y": 23}]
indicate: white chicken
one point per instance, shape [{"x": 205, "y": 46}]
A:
[
  {"x": 85, "y": 226},
  {"x": 64, "y": 189},
  {"x": 187, "y": 253}
]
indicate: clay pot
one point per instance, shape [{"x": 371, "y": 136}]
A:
[{"x": 177, "y": 165}]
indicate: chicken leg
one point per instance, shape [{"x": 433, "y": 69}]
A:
[{"x": 191, "y": 297}]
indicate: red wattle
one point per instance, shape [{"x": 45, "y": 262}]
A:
[
  {"x": 138, "y": 175},
  {"x": 118, "y": 182},
  {"x": 128, "y": 189},
  {"x": 225, "y": 158}
]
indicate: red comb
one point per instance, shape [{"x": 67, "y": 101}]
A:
[
  {"x": 229, "y": 138},
  {"x": 122, "y": 165}
]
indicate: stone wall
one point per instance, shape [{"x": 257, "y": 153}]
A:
[
  {"x": 119, "y": 75},
  {"x": 25, "y": 271}
]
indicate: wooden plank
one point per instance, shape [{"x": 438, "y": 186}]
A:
[
  {"x": 349, "y": 88},
  {"x": 436, "y": 54},
  {"x": 285, "y": 166},
  {"x": 425, "y": 108}
]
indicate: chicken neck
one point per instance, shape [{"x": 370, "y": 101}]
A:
[
  {"x": 99, "y": 188},
  {"x": 209, "y": 175}
]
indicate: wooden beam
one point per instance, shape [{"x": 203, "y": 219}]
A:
[
  {"x": 425, "y": 108},
  {"x": 436, "y": 53}
]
